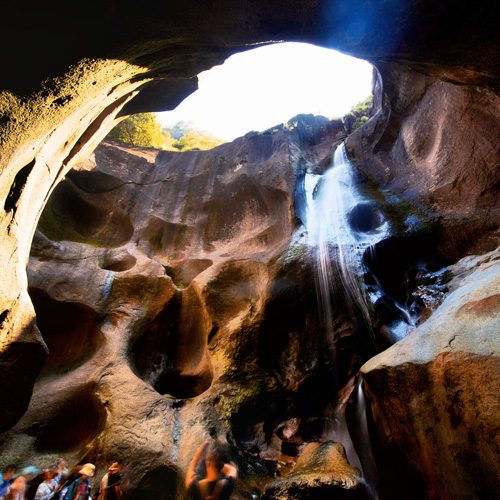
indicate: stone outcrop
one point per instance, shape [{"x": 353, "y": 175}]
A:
[
  {"x": 322, "y": 471},
  {"x": 59, "y": 103},
  {"x": 442, "y": 381},
  {"x": 434, "y": 144}
]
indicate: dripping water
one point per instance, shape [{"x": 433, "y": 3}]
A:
[
  {"x": 367, "y": 459},
  {"x": 176, "y": 431},
  {"x": 108, "y": 285}
]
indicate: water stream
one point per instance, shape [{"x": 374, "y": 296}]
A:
[
  {"x": 176, "y": 433},
  {"x": 108, "y": 285},
  {"x": 341, "y": 225}
]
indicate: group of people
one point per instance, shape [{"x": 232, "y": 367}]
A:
[
  {"x": 56, "y": 483},
  {"x": 210, "y": 476}
]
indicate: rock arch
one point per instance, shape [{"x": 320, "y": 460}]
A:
[{"x": 87, "y": 71}]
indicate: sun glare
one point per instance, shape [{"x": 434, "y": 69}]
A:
[{"x": 263, "y": 87}]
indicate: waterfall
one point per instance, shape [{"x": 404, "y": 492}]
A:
[
  {"x": 341, "y": 224},
  {"x": 366, "y": 458}
]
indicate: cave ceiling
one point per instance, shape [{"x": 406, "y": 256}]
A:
[{"x": 184, "y": 38}]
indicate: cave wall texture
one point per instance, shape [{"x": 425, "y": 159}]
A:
[{"x": 67, "y": 78}]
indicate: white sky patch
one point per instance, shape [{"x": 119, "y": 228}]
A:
[{"x": 263, "y": 87}]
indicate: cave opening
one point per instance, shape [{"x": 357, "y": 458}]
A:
[
  {"x": 94, "y": 218},
  {"x": 433, "y": 394},
  {"x": 261, "y": 88}
]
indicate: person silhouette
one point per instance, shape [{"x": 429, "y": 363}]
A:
[{"x": 210, "y": 476}]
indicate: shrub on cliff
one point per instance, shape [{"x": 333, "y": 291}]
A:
[
  {"x": 144, "y": 130},
  {"x": 358, "y": 114},
  {"x": 185, "y": 137}
]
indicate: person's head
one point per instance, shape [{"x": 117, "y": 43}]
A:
[
  {"x": 216, "y": 457},
  {"x": 9, "y": 472},
  {"x": 49, "y": 473},
  {"x": 61, "y": 464},
  {"x": 87, "y": 470},
  {"x": 116, "y": 466}
]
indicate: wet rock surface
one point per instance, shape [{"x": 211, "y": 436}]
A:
[
  {"x": 434, "y": 144},
  {"x": 453, "y": 360},
  {"x": 322, "y": 471},
  {"x": 194, "y": 315}
]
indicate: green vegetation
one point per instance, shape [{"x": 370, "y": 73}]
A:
[
  {"x": 447, "y": 276},
  {"x": 358, "y": 122},
  {"x": 141, "y": 130},
  {"x": 243, "y": 394},
  {"x": 144, "y": 130},
  {"x": 184, "y": 137},
  {"x": 364, "y": 107},
  {"x": 358, "y": 114}
]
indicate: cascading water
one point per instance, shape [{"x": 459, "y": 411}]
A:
[
  {"x": 340, "y": 220},
  {"x": 367, "y": 458},
  {"x": 341, "y": 225}
]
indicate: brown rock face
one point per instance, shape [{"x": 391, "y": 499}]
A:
[
  {"x": 175, "y": 310},
  {"x": 434, "y": 144},
  {"x": 453, "y": 361}
]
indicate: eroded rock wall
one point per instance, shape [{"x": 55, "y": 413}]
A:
[
  {"x": 174, "y": 310},
  {"x": 442, "y": 381},
  {"x": 61, "y": 93},
  {"x": 434, "y": 143}
]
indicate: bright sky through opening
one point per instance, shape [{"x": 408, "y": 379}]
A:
[{"x": 263, "y": 87}]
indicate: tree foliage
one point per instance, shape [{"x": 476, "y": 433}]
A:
[
  {"x": 185, "y": 137},
  {"x": 144, "y": 130},
  {"x": 358, "y": 114},
  {"x": 141, "y": 130}
]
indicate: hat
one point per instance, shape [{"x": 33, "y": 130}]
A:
[
  {"x": 30, "y": 470},
  {"x": 88, "y": 470}
]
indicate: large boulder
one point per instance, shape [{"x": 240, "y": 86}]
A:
[
  {"x": 442, "y": 381},
  {"x": 322, "y": 471}
]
